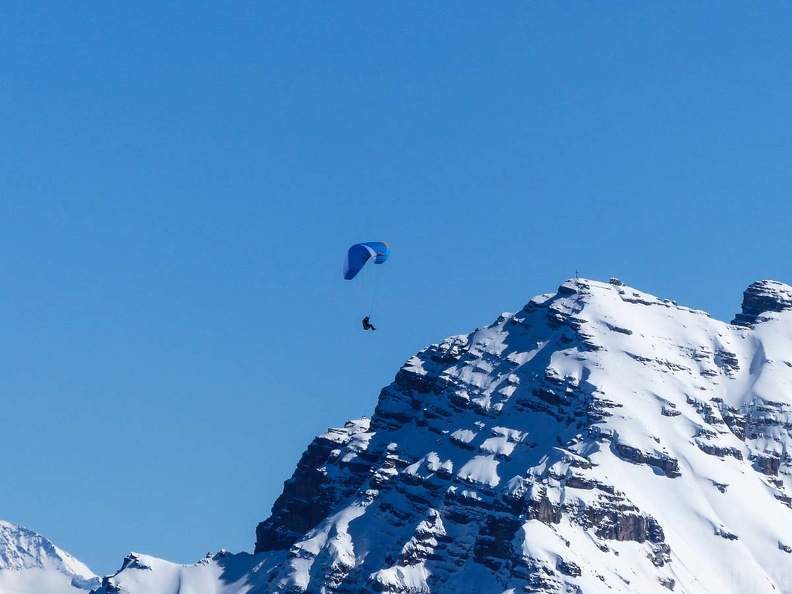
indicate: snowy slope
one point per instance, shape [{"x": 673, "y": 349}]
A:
[
  {"x": 223, "y": 573},
  {"x": 31, "y": 564},
  {"x": 599, "y": 440}
]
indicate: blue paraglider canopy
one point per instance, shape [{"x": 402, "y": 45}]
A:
[{"x": 360, "y": 253}]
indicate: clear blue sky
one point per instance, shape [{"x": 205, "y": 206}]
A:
[{"x": 179, "y": 183}]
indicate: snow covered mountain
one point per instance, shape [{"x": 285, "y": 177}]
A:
[
  {"x": 31, "y": 564},
  {"x": 600, "y": 440}
]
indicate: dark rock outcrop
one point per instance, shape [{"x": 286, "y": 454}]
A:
[
  {"x": 763, "y": 297},
  {"x": 663, "y": 462},
  {"x": 309, "y": 494}
]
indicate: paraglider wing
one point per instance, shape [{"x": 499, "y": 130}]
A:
[{"x": 360, "y": 253}]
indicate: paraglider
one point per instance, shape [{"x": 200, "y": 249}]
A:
[
  {"x": 356, "y": 259},
  {"x": 360, "y": 253}
]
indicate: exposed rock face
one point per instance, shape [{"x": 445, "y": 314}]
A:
[
  {"x": 763, "y": 297},
  {"x": 588, "y": 443},
  {"x": 307, "y": 498}
]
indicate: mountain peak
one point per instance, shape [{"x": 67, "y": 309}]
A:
[
  {"x": 761, "y": 297},
  {"x": 587, "y": 291},
  {"x": 22, "y": 550},
  {"x": 600, "y": 440}
]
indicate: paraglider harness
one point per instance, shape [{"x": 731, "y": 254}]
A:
[{"x": 367, "y": 325}]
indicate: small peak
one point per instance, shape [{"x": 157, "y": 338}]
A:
[
  {"x": 574, "y": 286},
  {"x": 585, "y": 286},
  {"x": 763, "y": 297},
  {"x": 569, "y": 287}
]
